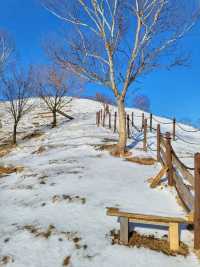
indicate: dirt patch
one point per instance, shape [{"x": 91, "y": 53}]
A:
[
  {"x": 142, "y": 161},
  {"x": 150, "y": 242},
  {"x": 69, "y": 199},
  {"x": 66, "y": 261},
  {"x": 35, "y": 134},
  {"x": 9, "y": 170},
  {"x": 4, "y": 260}
]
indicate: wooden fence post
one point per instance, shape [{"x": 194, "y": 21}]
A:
[
  {"x": 158, "y": 143},
  {"x": 101, "y": 115},
  {"x": 104, "y": 117},
  {"x": 174, "y": 129},
  {"x": 142, "y": 121},
  {"x": 128, "y": 125},
  {"x": 98, "y": 118},
  {"x": 109, "y": 114},
  {"x": 145, "y": 136},
  {"x": 151, "y": 122},
  {"x": 115, "y": 122},
  {"x": 197, "y": 203},
  {"x": 132, "y": 117},
  {"x": 169, "y": 160}
]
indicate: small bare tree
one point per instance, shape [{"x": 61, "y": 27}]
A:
[
  {"x": 17, "y": 88},
  {"x": 53, "y": 87},
  {"x": 6, "y": 49},
  {"x": 114, "y": 42}
]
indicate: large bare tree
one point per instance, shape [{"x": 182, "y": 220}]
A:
[
  {"x": 53, "y": 86},
  {"x": 17, "y": 89},
  {"x": 114, "y": 42}
]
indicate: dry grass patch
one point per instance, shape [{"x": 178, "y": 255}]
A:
[
  {"x": 9, "y": 170},
  {"x": 51, "y": 230},
  {"x": 142, "y": 161},
  {"x": 69, "y": 199},
  {"x": 150, "y": 242},
  {"x": 4, "y": 260},
  {"x": 38, "y": 232}
]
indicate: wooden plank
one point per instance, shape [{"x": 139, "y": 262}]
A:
[
  {"x": 190, "y": 217},
  {"x": 169, "y": 160},
  {"x": 145, "y": 217},
  {"x": 145, "y": 135},
  {"x": 138, "y": 221},
  {"x": 155, "y": 181},
  {"x": 185, "y": 173},
  {"x": 183, "y": 192},
  {"x": 174, "y": 236},
  {"x": 124, "y": 230},
  {"x": 162, "y": 141},
  {"x": 163, "y": 155},
  {"x": 158, "y": 142}
]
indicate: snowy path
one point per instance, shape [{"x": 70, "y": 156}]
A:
[{"x": 69, "y": 186}]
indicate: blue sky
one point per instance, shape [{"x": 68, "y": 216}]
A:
[{"x": 172, "y": 93}]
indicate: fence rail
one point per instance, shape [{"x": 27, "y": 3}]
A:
[
  {"x": 179, "y": 176},
  {"x": 177, "y": 173}
]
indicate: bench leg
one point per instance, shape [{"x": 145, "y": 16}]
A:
[
  {"x": 174, "y": 236},
  {"x": 124, "y": 230}
]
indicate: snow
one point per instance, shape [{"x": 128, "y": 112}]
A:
[{"x": 71, "y": 166}]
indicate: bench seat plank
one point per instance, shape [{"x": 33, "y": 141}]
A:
[{"x": 147, "y": 218}]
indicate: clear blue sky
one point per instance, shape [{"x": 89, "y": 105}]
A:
[{"x": 172, "y": 93}]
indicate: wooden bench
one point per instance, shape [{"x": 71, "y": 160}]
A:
[{"x": 172, "y": 222}]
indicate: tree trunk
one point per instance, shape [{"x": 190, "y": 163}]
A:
[
  {"x": 121, "y": 146},
  {"x": 54, "y": 123},
  {"x": 15, "y": 134}
]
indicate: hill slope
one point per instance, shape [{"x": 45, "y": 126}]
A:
[{"x": 54, "y": 211}]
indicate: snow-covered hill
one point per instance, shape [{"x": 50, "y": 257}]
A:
[{"x": 54, "y": 211}]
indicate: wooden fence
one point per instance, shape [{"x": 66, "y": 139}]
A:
[{"x": 186, "y": 183}]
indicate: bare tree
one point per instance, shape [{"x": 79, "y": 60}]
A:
[
  {"x": 114, "y": 42},
  {"x": 53, "y": 87},
  {"x": 142, "y": 102},
  {"x": 17, "y": 88},
  {"x": 6, "y": 49}
]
